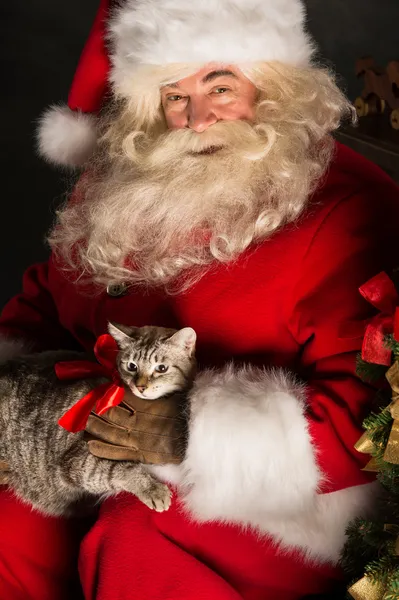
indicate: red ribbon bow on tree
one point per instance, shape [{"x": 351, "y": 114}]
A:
[
  {"x": 102, "y": 397},
  {"x": 381, "y": 293}
]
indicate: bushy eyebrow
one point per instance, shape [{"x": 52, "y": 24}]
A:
[
  {"x": 208, "y": 77},
  {"x": 215, "y": 74}
]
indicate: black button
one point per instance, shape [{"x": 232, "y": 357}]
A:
[{"x": 116, "y": 289}]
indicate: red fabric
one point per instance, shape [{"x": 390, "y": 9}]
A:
[
  {"x": 89, "y": 85},
  {"x": 101, "y": 398},
  {"x": 381, "y": 293},
  {"x": 293, "y": 301},
  {"x": 32, "y": 315},
  {"x": 38, "y": 555},
  {"x": 170, "y": 559}
]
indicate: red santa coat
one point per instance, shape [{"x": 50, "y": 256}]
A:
[{"x": 291, "y": 301}]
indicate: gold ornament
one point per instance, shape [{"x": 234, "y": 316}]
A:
[
  {"x": 365, "y": 589},
  {"x": 393, "y": 377},
  {"x": 372, "y": 466},
  {"x": 364, "y": 444},
  {"x": 394, "y": 407},
  {"x": 391, "y": 528},
  {"x": 391, "y": 453}
]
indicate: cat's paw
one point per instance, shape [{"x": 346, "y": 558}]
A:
[{"x": 158, "y": 497}]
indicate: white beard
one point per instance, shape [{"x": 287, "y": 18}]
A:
[{"x": 171, "y": 210}]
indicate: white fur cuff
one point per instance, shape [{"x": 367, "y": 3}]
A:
[
  {"x": 250, "y": 461},
  {"x": 249, "y": 449}
]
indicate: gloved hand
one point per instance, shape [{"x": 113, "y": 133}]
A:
[
  {"x": 4, "y": 472},
  {"x": 148, "y": 431}
]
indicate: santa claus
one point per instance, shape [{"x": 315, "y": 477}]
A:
[{"x": 215, "y": 197}]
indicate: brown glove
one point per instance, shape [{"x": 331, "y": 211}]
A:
[
  {"x": 4, "y": 472},
  {"x": 148, "y": 431}
]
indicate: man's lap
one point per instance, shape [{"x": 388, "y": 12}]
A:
[
  {"x": 38, "y": 554},
  {"x": 136, "y": 553}
]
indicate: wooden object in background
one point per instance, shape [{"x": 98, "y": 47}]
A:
[
  {"x": 381, "y": 89},
  {"x": 377, "y": 134},
  {"x": 393, "y": 73}
]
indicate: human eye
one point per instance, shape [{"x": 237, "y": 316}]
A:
[
  {"x": 174, "y": 98},
  {"x": 221, "y": 90}
]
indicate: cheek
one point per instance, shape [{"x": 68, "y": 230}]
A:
[
  {"x": 158, "y": 383},
  {"x": 241, "y": 109},
  {"x": 163, "y": 380},
  {"x": 127, "y": 377},
  {"x": 175, "y": 120}
]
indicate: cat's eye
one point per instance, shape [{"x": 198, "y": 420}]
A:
[
  {"x": 131, "y": 366},
  {"x": 161, "y": 368}
]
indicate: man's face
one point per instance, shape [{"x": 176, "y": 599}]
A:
[
  {"x": 212, "y": 94},
  {"x": 158, "y": 200}
]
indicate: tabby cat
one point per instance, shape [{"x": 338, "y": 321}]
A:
[{"x": 51, "y": 468}]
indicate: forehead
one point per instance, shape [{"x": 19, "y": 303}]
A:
[
  {"x": 210, "y": 73},
  {"x": 147, "y": 350}
]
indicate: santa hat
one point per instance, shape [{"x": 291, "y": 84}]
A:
[{"x": 159, "y": 32}]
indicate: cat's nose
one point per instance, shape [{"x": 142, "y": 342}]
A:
[{"x": 141, "y": 388}]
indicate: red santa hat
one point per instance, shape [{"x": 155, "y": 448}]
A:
[{"x": 142, "y": 33}]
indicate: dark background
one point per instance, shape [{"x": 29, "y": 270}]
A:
[{"x": 41, "y": 41}]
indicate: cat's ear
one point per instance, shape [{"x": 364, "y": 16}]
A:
[
  {"x": 122, "y": 334},
  {"x": 185, "y": 338}
]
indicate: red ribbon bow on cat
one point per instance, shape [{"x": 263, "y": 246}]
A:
[
  {"x": 101, "y": 398},
  {"x": 380, "y": 291}
]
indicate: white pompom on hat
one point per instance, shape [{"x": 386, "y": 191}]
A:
[{"x": 159, "y": 32}]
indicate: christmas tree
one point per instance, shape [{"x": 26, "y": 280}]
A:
[{"x": 371, "y": 554}]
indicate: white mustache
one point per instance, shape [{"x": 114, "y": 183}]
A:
[{"x": 238, "y": 135}]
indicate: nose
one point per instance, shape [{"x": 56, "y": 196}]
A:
[
  {"x": 200, "y": 115},
  {"x": 141, "y": 388}
]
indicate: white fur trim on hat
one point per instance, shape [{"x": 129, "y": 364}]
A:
[
  {"x": 66, "y": 137},
  {"x": 159, "y": 32}
]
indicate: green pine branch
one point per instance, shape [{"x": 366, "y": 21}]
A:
[
  {"x": 369, "y": 372},
  {"x": 392, "y": 592},
  {"x": 370, "y": 548},
  {"x": 377, "y": 422},
  {"x": 393, "y": 345},
  {"x": 389, "y": 479},
  {"x": 382, "y": 569},
  {"x": 366, "y": 540}
]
